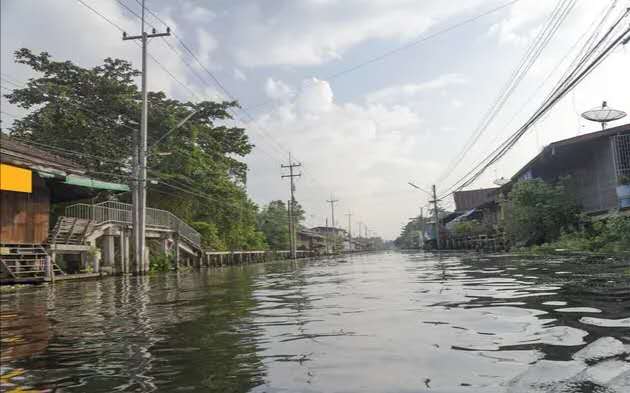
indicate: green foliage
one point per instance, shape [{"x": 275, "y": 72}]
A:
[
  {"x": 468, "y": 228},
  {"x": 609, "y": 236},
  {"x": 273, "y": 221},
  {"x": 624, "y": 180},
  {"x": 160, "y": 263},
  {"x": 94, "y": 110},
  {"x": 539, "y": 212},
  {"x": 209, "y": 235}
]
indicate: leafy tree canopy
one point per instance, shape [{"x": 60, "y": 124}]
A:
[
  {"x": 94, "y": 111},
  {"x": 273, "y": 221}
]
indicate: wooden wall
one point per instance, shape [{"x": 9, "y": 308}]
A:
[{"x": 24, "y": 216}]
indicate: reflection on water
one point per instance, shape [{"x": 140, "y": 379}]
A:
[{"x": 378, "y": 323}]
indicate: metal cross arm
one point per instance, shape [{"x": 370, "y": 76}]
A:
[{"x": 152, "y": 35}]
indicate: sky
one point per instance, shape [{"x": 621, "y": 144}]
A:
[{"x": 302, "y": 70}]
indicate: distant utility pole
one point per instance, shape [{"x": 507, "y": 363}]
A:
[
  {"x": 332, "y": 209},
  {"x": 349, "y": 231},
  {"x": 140, "y": 171},
  {"x": 292, "y": 231},
  {"x": 435, "y": 213},
  {"x": 421, "y": 227}
]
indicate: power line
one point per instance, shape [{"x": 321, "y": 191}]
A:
[
  {"x": 172, "y": 76},
  {"x": 559, "y": 13},
  {"x": 600, "y": 51},
  {"x": 413, "y": 43},
  {"x": 594, "y": 29}
]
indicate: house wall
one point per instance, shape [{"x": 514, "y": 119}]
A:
[
  {"x": 466, "y": 200},
  {"x": 24, "y": 216},
  {"x": 596, "y": 179},
  {"x": 591, "y": 169}
]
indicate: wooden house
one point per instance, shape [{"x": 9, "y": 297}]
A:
[{"x": 31, "y": 179}]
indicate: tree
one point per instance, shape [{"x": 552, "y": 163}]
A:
[
  {"x": 92, "y": 113},
  {"x": 539, "y": 212},
  {"x": 273, "y": 221}
]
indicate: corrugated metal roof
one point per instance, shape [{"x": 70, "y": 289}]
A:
[
  {"x": 622, "y": 129},
  {"x": 24, "y": 155}
]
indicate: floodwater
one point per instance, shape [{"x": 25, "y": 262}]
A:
[{"x": 388, "y": 322}]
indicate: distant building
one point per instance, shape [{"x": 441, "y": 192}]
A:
[
  {"x": 598, "y": 163},
  {"x": 308, "y": 239},
  {"x": 468, "y": 200}
]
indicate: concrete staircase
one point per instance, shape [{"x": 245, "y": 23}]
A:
[{"x": 25, "y": 263}]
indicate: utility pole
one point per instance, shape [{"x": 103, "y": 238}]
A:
[
  {"x": 141, "y": 171},
  {"x": 435, "y": 213},
  {"x": 421, "y": 227},
  {"x": 291, "y": 175},
  {"x": 332, "y": 209},
  {"x": 332, "y": 234},
  {"x": 349, "y": 231}
]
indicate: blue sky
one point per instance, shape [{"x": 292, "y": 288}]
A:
[{"x": 364, "y": 135}]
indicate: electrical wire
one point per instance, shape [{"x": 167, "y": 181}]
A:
[
  {"x": 600, "y": 51},
  {"x": 558, "y": 15}
]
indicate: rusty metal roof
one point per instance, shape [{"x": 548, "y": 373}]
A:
[{"x": 24, "y": 155}]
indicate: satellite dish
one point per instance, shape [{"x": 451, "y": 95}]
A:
[
  {"x": 501, "y": 181},
  {"x": 603, "y": 114}
]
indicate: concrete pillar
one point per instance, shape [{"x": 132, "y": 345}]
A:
[
  {"x": 147, "y": 256},
  {"x": 96, "y": 262},
  {"x": 124, "y": 251},
  {"x": 164, "y": 245},
  {"x": 177, "y": 253},
  {"x": 108, "y": 250}
]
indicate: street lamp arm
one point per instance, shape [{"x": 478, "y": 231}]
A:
[{"x": 421, "y": 189}]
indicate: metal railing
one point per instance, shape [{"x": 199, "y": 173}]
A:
[
  {"x": 621, "y": 155},
  {"x": 121, "y": 213}
]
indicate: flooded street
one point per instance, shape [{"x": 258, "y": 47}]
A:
[{"x": 389, "y": 322}]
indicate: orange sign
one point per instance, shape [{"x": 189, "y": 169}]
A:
[{"x": 16, "y": 179}]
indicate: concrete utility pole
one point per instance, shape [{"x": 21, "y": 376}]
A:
[
  {"x": 435, "y": 213},
  {"x": 421, "y": 227},
  {"x": 292, "y": 232},
  {"x": 141, "y": 170},
  {"x": 332, "y": 209},
  {"x": 349, "y": 231}
]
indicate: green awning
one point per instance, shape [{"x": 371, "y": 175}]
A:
[{"x": 93, "y": 183}]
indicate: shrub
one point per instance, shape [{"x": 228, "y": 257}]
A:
[
  {"x": 540, "y": 212},
  {"x": 160, "y": 263},
  {"x": 467, "y": 228}
]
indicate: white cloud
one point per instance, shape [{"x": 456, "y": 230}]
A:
[
  {"x": 315, "y": 32},
  {"x": 278, "y": 90},
  {"x": 400, "y": 93},
  {"x": 364, "y": 154},
  {"x": 522, "y": 22}
]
